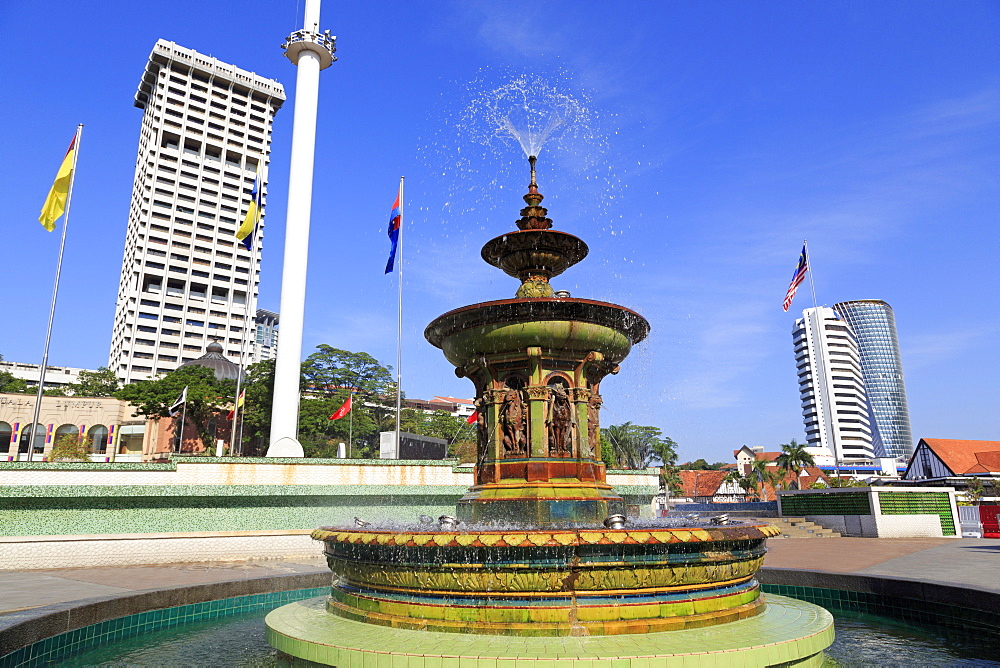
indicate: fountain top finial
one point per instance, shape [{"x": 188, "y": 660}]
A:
[{"x": 533, "y": 216}]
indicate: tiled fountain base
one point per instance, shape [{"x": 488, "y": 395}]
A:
[{"x": 788, "y": 633}]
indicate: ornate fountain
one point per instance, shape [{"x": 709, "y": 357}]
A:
[{"x": 541, "y": 546}]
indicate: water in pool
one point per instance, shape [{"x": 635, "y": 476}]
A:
[{"x": 238, "y": 642}]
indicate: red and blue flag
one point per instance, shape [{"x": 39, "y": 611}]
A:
[
  {"x": 395, "y": 220},
  {"x": 797, "y": 278}
]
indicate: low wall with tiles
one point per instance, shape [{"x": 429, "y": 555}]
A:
[
  {"x": 132, "y": 512},
  {"x": 877, "y": 512}
]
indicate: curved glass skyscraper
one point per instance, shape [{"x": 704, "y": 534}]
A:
[{"x": 874, "y": 327}]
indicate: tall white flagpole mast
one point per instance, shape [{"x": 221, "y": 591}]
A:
[
  {"x": 311, "y": 51},
  {"x": 399, "y": 322},
  {"x": 55, "y": 293}
]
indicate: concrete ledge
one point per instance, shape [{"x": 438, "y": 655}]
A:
[
  {"x": 148, "y": 536},
  {"x": 882, "y": 585},
  {"x": 23, "y": 628},
  {"x": 41, "y": 552}
]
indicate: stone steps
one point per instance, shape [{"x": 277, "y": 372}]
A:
[{"x": 799, "y": 527}]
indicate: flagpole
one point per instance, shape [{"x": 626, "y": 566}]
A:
[
  {"x": 180, "y": 441},
  {"x": 55, "y": 293},
  {"x": 812, "y": 286},
  {"x": 822, "y": 359},
  {"x": 350, "y": 433},
  {"x": 399, "y": 320},
  {"x": 254, "y": 246}
]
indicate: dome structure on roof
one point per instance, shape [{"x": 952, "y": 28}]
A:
[{"x": 214, "y": 360}]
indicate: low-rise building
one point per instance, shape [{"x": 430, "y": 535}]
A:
[
  {"x": 952, "y": 462},
  {"x": 55, "y": 376}
]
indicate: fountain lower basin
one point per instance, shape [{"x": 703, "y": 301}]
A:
[{"x": 547, "y": 582}]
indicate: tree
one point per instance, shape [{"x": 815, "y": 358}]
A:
[
  {"x": 329, "y": 370},
  {"x": 70, "y": 447},
  {"x": 670, "y": 479},
  {"x": 750, "y": 484},
  {"x": 764, "y": 476},
  {"x": 608, "y": 453},
  {"x": 974, "y": 492},
  {"x": 793, "y": 459},
  {"x": 100, "y": 383},
  {"x": 637, "y": 446},
  {"x": 12, "y": 385},
  {"x": 258, "y": 389},
  {"x": 320, "y": 436},
  {"x": 439, "y": 424},
  {"x": 328, "y": 377},
  {"x": 206, "y": 396},
  {"x": 702, "y": 465},
  {"x": 845, "y": 481},
  {"x": 734, "y": 476}
]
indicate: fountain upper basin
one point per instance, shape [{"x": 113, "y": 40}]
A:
[{"x": 564, "y": 324}]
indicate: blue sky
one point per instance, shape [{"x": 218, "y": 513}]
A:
[{"x": 733, "y": 131}]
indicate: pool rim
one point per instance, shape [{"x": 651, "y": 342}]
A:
[{"x": 20, "y": 629}]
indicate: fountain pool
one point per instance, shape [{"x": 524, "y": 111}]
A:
[{"x": 231, "y": 634}]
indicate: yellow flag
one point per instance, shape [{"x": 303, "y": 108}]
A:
[
  {"x": 248, "y": 229},
  {"x": 55, "y": 203}
]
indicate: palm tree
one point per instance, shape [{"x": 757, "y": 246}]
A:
[
  {"x": 764, "y": 475},
  {"x": 793, "y": 459}
]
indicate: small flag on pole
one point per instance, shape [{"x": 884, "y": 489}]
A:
[
  {"x": 248, "y": 230},
  {"x": 181, "y": 400},
  {"x": 395, "y": 220},
  {"x": 343, "y": 410},
  {"x": 472, "y": 418},
  {"x": 55, "y": 203},
  {"x": 239, "y": 405},
  {"x": 797, "y": 278}
]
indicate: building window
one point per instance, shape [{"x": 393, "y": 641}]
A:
[
  {"x": 97, "y": 438},
  {"x": 5, "y": 434}
]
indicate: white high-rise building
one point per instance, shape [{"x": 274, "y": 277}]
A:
[
  {"x": 186, "y": 279},
  {"x": 834, "y": 407},
  {"x": 266, "y": 337}
]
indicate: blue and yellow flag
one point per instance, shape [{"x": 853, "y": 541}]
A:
[{"x": 248, "y": 230}]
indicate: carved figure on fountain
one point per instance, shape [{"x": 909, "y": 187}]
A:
[
  {"x": 513, "y": 424},
  {"x": 593, "y": 423},
  {"x": 560, "y": 423}
]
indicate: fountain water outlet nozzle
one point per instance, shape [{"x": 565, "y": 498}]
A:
[
  {"x": 720, "y": 519},
  {"x": 358, "y": 522},
  {"x": 426, "y": 519},
  {"x": 447, "y": 522},
  {"x": 615, "y": 522}
]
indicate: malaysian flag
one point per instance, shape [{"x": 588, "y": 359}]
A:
[
  {"x": 395, "y": 220},
  {"x": 797, "y": 278}
]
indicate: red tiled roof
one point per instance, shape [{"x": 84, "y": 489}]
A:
[
  {"x": 965, "y": 456},
  {"x": 986, "y": 462},
  {"x": 701, "y": 483}
]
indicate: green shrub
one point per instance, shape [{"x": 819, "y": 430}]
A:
[{"x": 70, "y": 447}]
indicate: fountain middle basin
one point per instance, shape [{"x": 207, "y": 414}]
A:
[{"x": 547, "y": 581}]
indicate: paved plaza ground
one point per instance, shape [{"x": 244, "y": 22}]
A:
[{"x": 966, "y": 562}]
